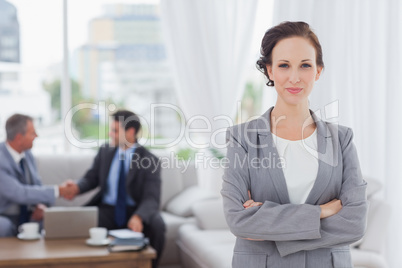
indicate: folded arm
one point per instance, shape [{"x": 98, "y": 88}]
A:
[
  {"x": 296, "y": 227},
  {"x": 270, "y": 221},
  {"x": 349, "y": 224}
]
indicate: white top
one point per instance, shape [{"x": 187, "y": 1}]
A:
[{"x": 299, "y": 164}]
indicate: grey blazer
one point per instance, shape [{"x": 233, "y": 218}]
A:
[
  {"x": 292, "y": 234},
  {"x": 13, "y": 191}
]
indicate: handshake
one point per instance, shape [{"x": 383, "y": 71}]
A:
[{"x": 68, "y": 190}]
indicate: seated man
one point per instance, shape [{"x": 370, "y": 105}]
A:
[
  {"x": 22, "y": 197},
  {"x": 129, "y": 180}
]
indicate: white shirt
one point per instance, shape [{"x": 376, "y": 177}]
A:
[
  {"x": 14, "y": 154},
  {"x": 299, "y": 165}
]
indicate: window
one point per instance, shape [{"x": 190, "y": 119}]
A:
[{"x": 117, "y": 58}]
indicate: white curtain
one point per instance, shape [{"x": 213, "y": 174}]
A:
[
  {"x": 361, "y": 43},
  {"x": 208, "y": 43}
]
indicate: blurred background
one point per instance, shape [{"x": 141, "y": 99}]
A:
[
  {"x": 117, "y": 58},
  {"x": 184, "y": 64}
]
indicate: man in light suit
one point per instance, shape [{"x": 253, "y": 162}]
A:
[
  {"x": 125, "y": 168},
  {"x": 22, "y": 197}
]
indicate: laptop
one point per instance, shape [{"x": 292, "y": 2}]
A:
[{"x": 66, "y": 222}]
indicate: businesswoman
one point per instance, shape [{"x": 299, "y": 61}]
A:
[{"x": 293, "y": 192}]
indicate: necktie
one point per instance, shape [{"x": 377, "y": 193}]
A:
[
  {"x": 120, "y": 208},
  {"x": 24, "y": 213}
]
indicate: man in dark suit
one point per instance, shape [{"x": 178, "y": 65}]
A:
[
  {"x": 22, "y": 195},
  {"x": 129, "y": 179}
]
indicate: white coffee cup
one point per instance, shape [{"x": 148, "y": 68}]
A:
[
  {"x": 29, "y": 229},
  {"x": 98, "y": 234}
]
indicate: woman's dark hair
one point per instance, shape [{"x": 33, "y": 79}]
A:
[{"x": 282, "y": 31}]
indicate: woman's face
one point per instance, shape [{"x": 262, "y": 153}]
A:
[{"x": 294, "y": 70}]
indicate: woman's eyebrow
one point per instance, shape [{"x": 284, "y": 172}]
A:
[{"x": 301, "y": 61}]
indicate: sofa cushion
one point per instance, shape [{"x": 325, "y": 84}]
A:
[
  {"x": 172, "y": 185},
  {"x": 176, "y": 178},
  {"x": 212, "y": 248},
  {"x": 181, "y": 204},
  {"x": 55, "y": 170},
  {"x": 209, "y": 214}
]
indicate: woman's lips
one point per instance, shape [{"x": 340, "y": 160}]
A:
[{"x": 294, "y": 90}]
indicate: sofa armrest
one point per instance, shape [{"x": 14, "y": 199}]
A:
[
  {"x": 209, "y": 214},
  {"x": 377, "y": 222},
  {"x": 367, "y": 259}
]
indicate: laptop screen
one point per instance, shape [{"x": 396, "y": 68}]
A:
[{"x": 65, "y": 222}]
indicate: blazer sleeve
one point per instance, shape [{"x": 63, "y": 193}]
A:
[
  {"x": 349, "y": 224},
  {"x": 151, "y": 189},
  {"x": 271, "y": 221},
  {"x": 91, "y": 178},
  {"x": 15, "y": 192}
]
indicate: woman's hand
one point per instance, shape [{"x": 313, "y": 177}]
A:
[
  {"x": 250, "y": 203},
  {"x": 331, "y": 208}
]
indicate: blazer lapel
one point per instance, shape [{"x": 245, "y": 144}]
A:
[
  {"x": 327, "y": 159},
  {"x": 12, "y": 163},
  {"x": 270, "y": 152},
  {"x": 134, "y": 164}
]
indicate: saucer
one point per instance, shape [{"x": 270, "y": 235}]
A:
[
  {"x": 22, "y": 236},
  {"x": 104, "y": 242}
]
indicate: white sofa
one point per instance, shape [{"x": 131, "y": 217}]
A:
[
  {"x": 179, "y": 193},
  {"x": 208, "y": 243}
]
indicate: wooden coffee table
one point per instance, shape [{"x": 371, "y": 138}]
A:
[{"x": 68, "y": 253}]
